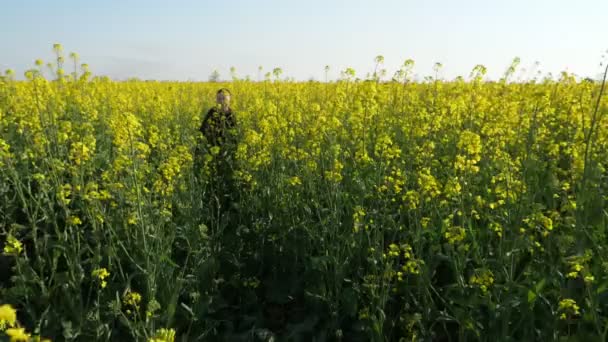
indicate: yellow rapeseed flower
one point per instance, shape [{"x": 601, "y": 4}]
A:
[
  {"x": 295, "y": 181},
  {"x": 132, "y": 299},
  {"x": 8, "y": 316},
  {"x": 13, "y": 246},
  {"x": 101, "y": 274},
  {"x": 568, "y": 307},
  {"x": 17, "y": 334},
  {"x": 74, "y": 220},
  {"x": 482, "y": 279},
  {"x": 163, "y": 335},
  {"x": 455, "y": 234}
]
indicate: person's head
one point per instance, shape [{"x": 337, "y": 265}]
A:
[{"x": 223, "y": 97}]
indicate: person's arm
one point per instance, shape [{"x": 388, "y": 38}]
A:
[
  {"x": 205, "y": 123},
  {"x": 231, "y": 120}
]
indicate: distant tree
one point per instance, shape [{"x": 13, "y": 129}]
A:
[{"x": 215, "y": 76}]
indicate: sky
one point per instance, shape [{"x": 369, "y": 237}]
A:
[{"x": 187, "y": 40}]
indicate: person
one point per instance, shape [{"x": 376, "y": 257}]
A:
[
  {"x": 219, "y": 120},
  {"x": 219, "y": 129}
]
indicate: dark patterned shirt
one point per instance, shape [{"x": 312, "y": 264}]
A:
[{"x": 216, "y": 124}]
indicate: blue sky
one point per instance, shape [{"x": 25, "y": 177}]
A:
[{"x": 184, "y": 40}]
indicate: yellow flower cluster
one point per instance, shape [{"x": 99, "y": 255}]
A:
[
  {"x": 483, "y": 279},
  {"x": 295, "y": 180},
  {"x": 5, "y": 153},
  {"x": 404, "y": 258},
  {"x": 429, "y": 186},
  {"x": 12, "y": 246},
  {"x": 395, "y": 182},
  {"x": 10, "y": 326},
  {"x": 496, "y": 228},
  {"x": 8, "y": 316},
  {"x": 358, "y": 217},
  {"x": 469, "y": 145},
  {"x": 163, "y": 335},
  {"x": 131, "y": 300},
  {"x": 17, "y": 335},
  {"x": 455, "y": 234},
  {"x": 385, "y": 148},
  {"x": 82, "y": 152},
  {"x": 540, "y": 223},
  {"x": 567, "y": 308},
  {"x": 577, "y": 265},
  {"x": 101, "y": 274}
]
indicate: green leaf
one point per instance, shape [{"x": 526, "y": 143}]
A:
[
  {"x": 540, "y": 285},
  {"x": 532, "y": 295}
]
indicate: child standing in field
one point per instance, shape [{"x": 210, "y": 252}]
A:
[
  {"x": 219, "y": 120},
  {"x": 218, "y": 128}
]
